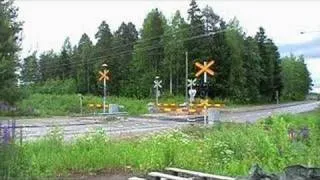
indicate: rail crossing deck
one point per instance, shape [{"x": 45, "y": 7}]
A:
[{"x": 192, "y": 109}]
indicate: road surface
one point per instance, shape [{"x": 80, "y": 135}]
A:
[{"x": 72, "y": 127}]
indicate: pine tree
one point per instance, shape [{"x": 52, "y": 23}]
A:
[
  {"x": 65, "y": 60},
  {"x": 196, "y": 28},
  {"x": 252, "y": 61},
  {"x": 85, "y": 73},
  {"x": 149, "y": 53},
  {"x": 211, "y": 24},
  {"x": 211, "y": 20},
  {"x": 10, "y": 39},
  {"x": 174, "y": 50},
  {"x": 220, "y": 53},
  {"x": 236, "y": 79},
  {"x": 124, "y": 40},
  {"x": 30, "y": 69},
  {"x": 268, "y": 57},
  {"x": 48, "y": 66}
]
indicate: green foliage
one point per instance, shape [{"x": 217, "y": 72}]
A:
[
  {"x": 196, "y": 27},
  {"x": 296, "y": 78},
  {"x": 48, "y": 66},
  {"x": 67, "y": 86},
  {"x": 174, "y": 51},
  {"x": 65, "y": 61},
  {"x": 253, "y": 69},
  {"x": 55, "y": 104},
  {"x": 236, "y": 79},
  {"x": 122, "y": 82},
  {"x": 9, "y": 47},
  {"x": 270, "y": 81},
  {"x": 227, "y": 149},
  {"x": 30, "y": 69},
  {"x": 148, "y": 62},
  {"x": 14, "y": 161},
  {"x": 65, "y": 104}
]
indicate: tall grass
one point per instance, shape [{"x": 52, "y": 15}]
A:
[
  {"x": 50, "y": 104},
  {"x": 226, "y": 149},
  {"x": 68, "y": 104}
]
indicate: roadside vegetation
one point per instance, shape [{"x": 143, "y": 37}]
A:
[
  {"x": 226, "y": 149},
  {"x": 45, "y": 105}
]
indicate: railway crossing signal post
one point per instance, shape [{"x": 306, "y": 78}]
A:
[
  {"x": 157, "y": 85},
  {"x": 205, "y": 69},
  {"x": 104, "y": 76},
  {"x": 192, "y": 92}
]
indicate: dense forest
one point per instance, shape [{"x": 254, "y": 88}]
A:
[{"x": 247, "y": 68}]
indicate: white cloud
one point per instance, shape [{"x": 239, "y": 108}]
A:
[
  {"x": 313, "y": 65},
  {"x": 47, "y": 23}
]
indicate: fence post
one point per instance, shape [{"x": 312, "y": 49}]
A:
[
  {"x": 21, "y": 136},
  {"x": 13, "y": 129}
]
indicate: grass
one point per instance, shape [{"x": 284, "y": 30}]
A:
[
  {"x": 225, "y": 149},
  {"x": 59, "y": 105},
  {"x": 45, "y": 105}
]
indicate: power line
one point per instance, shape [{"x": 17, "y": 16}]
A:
[
  {"x": 146, "y": 40},
  {"x": 96, "y": 59},
  {"x": 89, "y": 60}
]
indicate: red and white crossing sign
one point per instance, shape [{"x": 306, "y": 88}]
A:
[{"x": 104, "y": 75}]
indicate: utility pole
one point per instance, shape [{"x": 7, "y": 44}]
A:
[{"x": 186, "y": 95}]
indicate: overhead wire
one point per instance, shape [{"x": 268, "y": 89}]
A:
[
  {"x": 133, "y": 43},
  {"x": 96, "y": 59}
]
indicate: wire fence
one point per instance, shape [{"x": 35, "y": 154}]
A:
[{"x": 10, "y": 132}]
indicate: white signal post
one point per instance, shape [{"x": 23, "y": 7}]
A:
[
  {"x": 191, "y": 83},
  {"x": 205, "y": 73},
  {"x": 157, "y": 85},
  {"x": 205, "y": 68},
  {"x": 104, "y": 76},
  {"x": 192, "y": 92}
]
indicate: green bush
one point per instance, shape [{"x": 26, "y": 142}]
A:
[
  {"x": 52, "y": 86},
  {"x": 228, "y": 149},
  {"x": 52, "y": 104},
  {"x": 14, "y": 161}
]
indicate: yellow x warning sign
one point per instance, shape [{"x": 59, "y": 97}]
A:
[
  {"x": 104, "y": 75},
  {"x": 205, "y": 68}
]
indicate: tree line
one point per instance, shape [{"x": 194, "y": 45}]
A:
[{"x": 247, "y": 68}]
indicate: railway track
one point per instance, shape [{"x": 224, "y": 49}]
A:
[{"x": 71, "y": 127}]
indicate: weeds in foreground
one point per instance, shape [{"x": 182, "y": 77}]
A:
[{"x": 228, "y": 149}]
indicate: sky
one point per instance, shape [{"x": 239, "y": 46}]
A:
[{"x": 47, "y": 23}]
